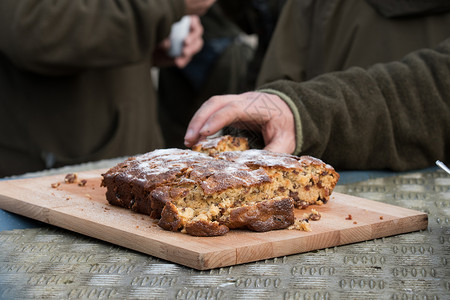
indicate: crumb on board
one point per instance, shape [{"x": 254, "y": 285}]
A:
[
  {"x": 313, "y": 216},
  {"x": 71, "y": 178},
  {"x": 82, "y": 182},
  {"x": 55, "y": 185},
  {"x": 349, "y": 217},
  {"x": 355, "y": 222},
  {"x": 300, "y": 224},
  {"x": 303, "y": 224},
  {"x": 88, "y": 196},
  {"x": 381, "y": 217}
]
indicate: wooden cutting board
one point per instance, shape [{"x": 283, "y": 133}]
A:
[{"x": 84, "y": 209}]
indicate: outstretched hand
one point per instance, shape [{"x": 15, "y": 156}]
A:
[{"x": 262, "y": 112}]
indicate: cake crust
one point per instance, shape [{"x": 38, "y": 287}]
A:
[
  {"x": 263, "y": 216},
  {"x": 207, "y": 195}
]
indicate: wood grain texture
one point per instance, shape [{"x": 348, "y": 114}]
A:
[{"x": 84, "y": 209}]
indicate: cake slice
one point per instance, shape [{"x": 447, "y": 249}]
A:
[{"x": 218, "y": 144}]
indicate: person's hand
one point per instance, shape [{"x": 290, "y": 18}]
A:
[
  {"x": 262, "y": 112},
  {"x": 197, "y": 7},
  {"x": 192, "y": 44}
]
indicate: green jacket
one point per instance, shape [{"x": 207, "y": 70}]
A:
[
  {"x": 313, "y": 37},
  {"x": 75, "y": 80},
  {"x": 393, "y": 115},
  {"x": 371, "y": 116}
]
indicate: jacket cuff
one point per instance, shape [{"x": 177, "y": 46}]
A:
[{"x": 294, "y": 110}]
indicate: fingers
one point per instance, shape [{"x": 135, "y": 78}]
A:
[
  {"x": 202, "y": 116},
  {"x": 224, "y": 116},
  {"x": 194, "y": 40},
  {"x": 266, "y": 112},
  {"x": 196, "y": 27},
  {"x": 189, "y": 50},
  {"x": 192, "y": 44},
  {"x": 218, "y": 112}
]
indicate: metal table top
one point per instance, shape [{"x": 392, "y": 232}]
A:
[{"x": 45, "y": 262}]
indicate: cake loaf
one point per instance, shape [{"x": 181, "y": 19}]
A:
[{"x": 205, "y": 195}]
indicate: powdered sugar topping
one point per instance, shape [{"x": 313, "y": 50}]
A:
[
  {"x": 185, "y": 166},
  {"x": 263, "y": 158}
]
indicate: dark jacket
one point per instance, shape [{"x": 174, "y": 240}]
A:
[
  {"x": 376, "y": 114},
  {"x": 390, "y": 116},
  {"x": 75, "y": 80},
  {"x": 313, "y": 37}
]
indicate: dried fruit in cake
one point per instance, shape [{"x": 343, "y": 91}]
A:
[
  {"x": 305, "y": 179},
  {"x": 206, "y": 195}
]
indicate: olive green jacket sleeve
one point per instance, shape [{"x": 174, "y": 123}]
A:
[
  {"x": 57, "y": 37},
  {"x": 313, "y": 37},
  {"x": 394, "y": 115}
]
